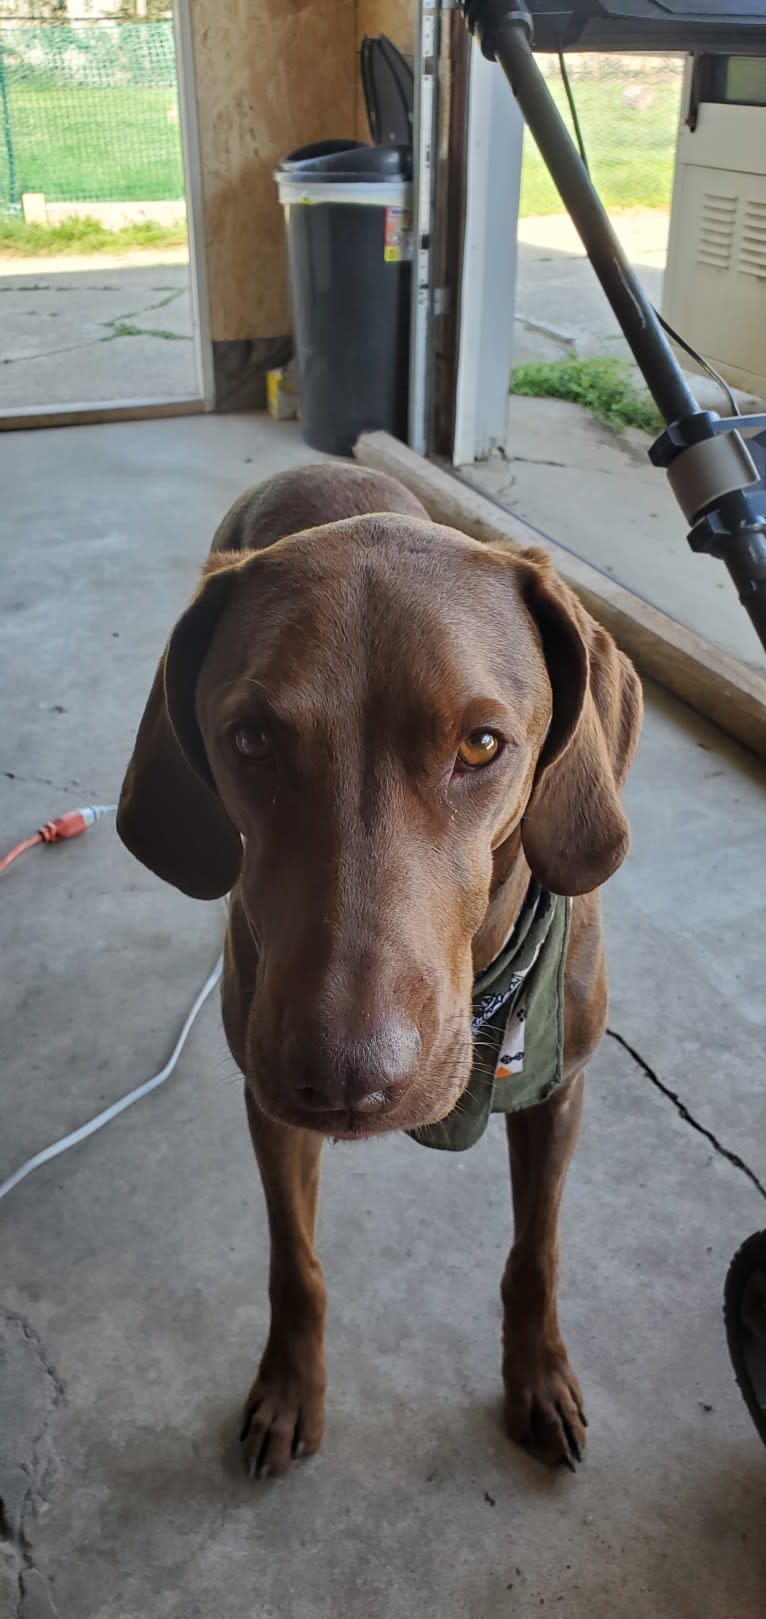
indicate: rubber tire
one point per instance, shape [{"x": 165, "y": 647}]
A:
[{"x": 747, "y": 1339}]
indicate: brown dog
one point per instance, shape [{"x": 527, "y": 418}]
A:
[{"x": 395, "y": 747}]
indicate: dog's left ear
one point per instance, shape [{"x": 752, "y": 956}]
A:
[{"x": 574, "y": 830}]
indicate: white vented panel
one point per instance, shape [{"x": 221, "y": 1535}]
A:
[
  {"x": 718, "y": 217},
  {"x": 752, "y": 253},
  {"x": 715, "y": 281}
]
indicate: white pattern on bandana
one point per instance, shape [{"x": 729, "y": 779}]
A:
[{"x": 511, "y": 1057}]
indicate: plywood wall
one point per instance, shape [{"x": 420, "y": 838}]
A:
[
  {"x": 393, "y": 17},
  {"x": 269, "y": 77}
]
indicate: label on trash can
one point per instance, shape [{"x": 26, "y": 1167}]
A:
[{"x": 397, "y": 239}]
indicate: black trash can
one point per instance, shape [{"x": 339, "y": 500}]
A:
[{"x": 348, "y": 222}]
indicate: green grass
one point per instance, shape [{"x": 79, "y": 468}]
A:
[
  {"x": 631, "y": 152},
  {"x": 605, "y": 387},
  {"x": 82, "y": 235},
  {"x": 84, "y": 143},
  {"x": 122, "y": 143}
]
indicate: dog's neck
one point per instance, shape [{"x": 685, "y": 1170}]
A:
[{"x": 509, "y": 889}]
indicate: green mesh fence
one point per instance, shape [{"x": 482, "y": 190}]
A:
[
  {"x": 89, "y": 112},
  {"x": 628, "y": 108}
]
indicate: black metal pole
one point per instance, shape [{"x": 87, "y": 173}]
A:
[
  {"x": 736, "y": 530},
  {"x": 742, "y": 546},
  {"x": 510, "y": 44}
]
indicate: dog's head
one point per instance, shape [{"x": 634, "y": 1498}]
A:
[{"x": 367, "y": 726}]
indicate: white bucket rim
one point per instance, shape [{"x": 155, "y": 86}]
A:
[{"x": 362, "y": 193}]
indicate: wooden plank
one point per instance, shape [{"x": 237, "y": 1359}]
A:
[
  {"x": 85, "y": 414},
  {"x": 702, "y": 675}
]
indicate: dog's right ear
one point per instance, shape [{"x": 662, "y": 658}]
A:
[{"x": 169, "y": 815}]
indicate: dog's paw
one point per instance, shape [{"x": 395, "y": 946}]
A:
[
  {"x": 282, "y": 1420},
  {"x": 543, "y": 1406}
]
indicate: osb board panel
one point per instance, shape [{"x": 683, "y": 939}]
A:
[
  {"x": 268, "y": 78},
  {"x": 393, "y": 17},
  {"x": 396, "y": 18}
]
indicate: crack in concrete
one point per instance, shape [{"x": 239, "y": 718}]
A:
[
  {"x": 732, "y": 1158},
  {"x": 31, "y": 1581},
  {"x": 568, "y": 340},
  {"x": 536, "y": 461},
  {"x": 126, "y": 329},
  {"x": 45, "y": 286},
  {"x": 35, "y": 1340},
  {"x": 120, "y": 327},
  {"x": 504, "y": 493},
  {"x": 162, "y": 302},
  {"x": 45, "y": 781},
  {"x": 45, "y": 354},
  {"x": 93, "y": 342}
]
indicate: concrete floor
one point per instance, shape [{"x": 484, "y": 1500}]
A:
[
  {"x": 560, "y": 308},
  {"x": 98, "y": 329},
  {"x": 135, "y": 1267}
]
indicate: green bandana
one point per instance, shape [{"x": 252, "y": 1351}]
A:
[{"x": 517, "y": 1023}]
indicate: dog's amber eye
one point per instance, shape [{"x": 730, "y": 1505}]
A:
[
  {"x": 478, "y": 748},
  {"x": 252, "y": 742}
]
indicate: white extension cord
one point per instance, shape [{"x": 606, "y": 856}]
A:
[{"x": 118, "y": 1107}]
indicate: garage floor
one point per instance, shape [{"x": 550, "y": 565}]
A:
[{"x": 134, "y": 1267}]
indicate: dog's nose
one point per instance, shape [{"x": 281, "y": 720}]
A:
[
  {"x": 318, "y": 1101},
  {"x": 364, "y": 1076}
]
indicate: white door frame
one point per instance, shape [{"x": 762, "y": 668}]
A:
[
  {"x": 425, "y": 131},
  {"x": 488, "y": 274},
  {"x": 200, "y": 299}
]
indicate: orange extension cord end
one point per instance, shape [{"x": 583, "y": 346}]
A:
[
  {"x": 69, "y": 825},
  {"x": 66, "y": 826}
]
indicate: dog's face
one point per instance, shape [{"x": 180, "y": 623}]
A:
[
  {"x": 383, "y": 711},
  {"x": 372, "y": 712}
]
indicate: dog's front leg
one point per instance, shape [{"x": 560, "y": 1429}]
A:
[
  {"x": 284, "y": 1411},
  {"x": 543, "y": 1403}
]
